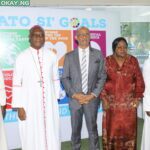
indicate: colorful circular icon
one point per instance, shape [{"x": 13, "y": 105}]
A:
[{"x": 74, "y": 22}]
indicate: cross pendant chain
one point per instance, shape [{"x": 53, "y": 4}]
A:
[
  {"x": 40, "y": 83},
  {"x": 36, "y": 67}
]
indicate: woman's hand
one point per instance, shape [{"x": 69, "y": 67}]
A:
[
  {"x": 135, "y": 103},
  {"x": 105, "y": 105}
]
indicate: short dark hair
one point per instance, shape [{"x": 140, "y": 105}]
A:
[{"x": 116, "y": 41}]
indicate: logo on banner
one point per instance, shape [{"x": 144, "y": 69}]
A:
[{"x": 75, "y": 22}]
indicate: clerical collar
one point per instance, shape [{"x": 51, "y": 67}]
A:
[{"x": 35, "y": 50}]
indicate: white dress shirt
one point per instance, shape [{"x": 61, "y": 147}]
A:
[{"x": 87, "y": 58}]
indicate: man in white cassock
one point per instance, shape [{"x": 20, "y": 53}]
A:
[
  {"x": 3, "y": 143},
  {"x": 35, "y": 92},
  {"x": 146, "y": 107}
]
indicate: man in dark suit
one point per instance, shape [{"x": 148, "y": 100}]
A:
[{"x": 83, "y": 79}]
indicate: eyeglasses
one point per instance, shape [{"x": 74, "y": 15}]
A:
[
  {"x": 83, "y": 34},
  {"x": 35, "y": 35}
]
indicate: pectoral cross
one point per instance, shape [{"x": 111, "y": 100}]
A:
[{"x": 40, "y": 83}]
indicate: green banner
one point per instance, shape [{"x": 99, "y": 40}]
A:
[
  {"x": 12, "y": 42},
  {"x": 14, "y": 2}
]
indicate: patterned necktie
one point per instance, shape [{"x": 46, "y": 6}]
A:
[{"x": 84, "y": 72}]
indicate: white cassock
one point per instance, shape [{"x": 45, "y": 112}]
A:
[
  {"x": 3, "y": 143},
  {"x": 36, "y": 88},
  {"x": 146, "y": 106}
]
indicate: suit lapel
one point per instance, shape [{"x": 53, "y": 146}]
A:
[
  {"x": 77, "y": 63},
  {"x": 91, "y": 59}
]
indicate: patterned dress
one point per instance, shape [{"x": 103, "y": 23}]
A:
[{"x": 123, "y": 86}]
